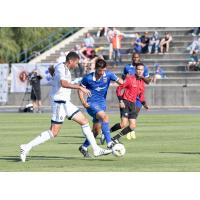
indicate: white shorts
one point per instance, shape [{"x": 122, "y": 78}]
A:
[{"x": 61, "y": 110}]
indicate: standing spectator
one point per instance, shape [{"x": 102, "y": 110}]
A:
[
  {"x": 35, "y": 78},
  {"x": 154, "y": 43},
  {"x": 116, "y": 43},
  {"x": 159, "y": 73},
  {"x": 193, "y": 64},
  {"x": 195, "y": 46},
  {"x": 102, "y": 32},
  {"x": 137, "y": 45},
  {"x": 164, "y": 43},
  {"x": 109, "y": 36},
  {"x": 79, "y": 70},
  {"x": 145, "y": 42}
]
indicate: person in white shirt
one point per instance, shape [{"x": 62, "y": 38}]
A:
[{"x": 62, "y": 108}]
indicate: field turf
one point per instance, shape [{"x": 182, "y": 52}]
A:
[{"x": 164, "y": 143}]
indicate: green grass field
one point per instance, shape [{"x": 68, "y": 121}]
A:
[{"x": 165, "y": 143}]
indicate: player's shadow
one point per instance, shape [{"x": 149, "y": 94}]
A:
[
  {"x": 187, "y": 153},
  {"x": 41, "y": 158},
  {"x": 71, "y": 136},
  {"x": 17, "y": 159},
  {"x": 79, "y": 143}
]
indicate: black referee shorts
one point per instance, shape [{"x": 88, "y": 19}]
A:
[{"x": 129, "y": 111}]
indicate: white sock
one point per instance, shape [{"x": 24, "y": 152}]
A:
[
  {"x": 43, "y": 137},
  {"x": 90, "y": 136}
]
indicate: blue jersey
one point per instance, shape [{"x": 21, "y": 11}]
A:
[
  {"x": 130, "y": 69},
  {"x": 98, "y": 88}
]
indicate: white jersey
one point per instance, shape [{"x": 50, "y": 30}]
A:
[{"x": 58, "y": 93}]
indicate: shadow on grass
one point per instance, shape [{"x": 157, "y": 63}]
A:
[
  {"x": 187, "y": 153},
  {"x": 29, "y": 158},
  {"x": 70, "y": 143},
  {"x": 71, "y": 136}
]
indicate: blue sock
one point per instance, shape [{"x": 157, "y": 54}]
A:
[
  {"x": 106, "y": 131},
  {"x": 86, "y": 143}
]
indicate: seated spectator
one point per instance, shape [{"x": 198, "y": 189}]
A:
[
  {"x": 137, "y": 45},
  {"x": 154, "y": 43},
  {"x": 193, "y": 64},
  {"x": 159, "y": 73},
  {"x": 196, "y": 31},
  {"x": 116, "y": 44},
  {"x": 145, "y": 42},
  {"x": 195, "y": 46},
  {"x": 89, "y": 41},
  {"x": 164, "y": 43}
]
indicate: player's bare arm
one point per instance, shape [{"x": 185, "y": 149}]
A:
[
  {"x": 82, "y": 99},
  {"x": 147, "y": 80},
  {"x": 67, "y": 84}
]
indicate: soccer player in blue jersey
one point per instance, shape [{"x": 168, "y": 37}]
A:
[
  {"x": 131, "y": 69},
  {"x": 98, "y": 83}
]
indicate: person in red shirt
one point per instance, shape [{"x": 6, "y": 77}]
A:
[{"x": 127, "y": 93}]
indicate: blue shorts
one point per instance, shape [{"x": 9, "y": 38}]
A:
[
  {"x": 94, "y": 109},
  {"x": 138, "y": 104}
]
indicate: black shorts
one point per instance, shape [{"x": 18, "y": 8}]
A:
[
  {"x": 35, "y": 94},
  {"x": 129, "y": 111}
]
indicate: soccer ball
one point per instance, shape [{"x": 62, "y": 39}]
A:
[{"x": 118, "y": 150}]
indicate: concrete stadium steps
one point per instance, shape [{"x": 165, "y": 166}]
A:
[
  {"x": 171, "y": 68},
  {"x": 130, "y": 40},
  {"x": 179, "y": 80},
  {"x": 165, "y": 56}
]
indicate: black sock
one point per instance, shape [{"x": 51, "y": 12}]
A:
[
  {"x": 115, "y": 127},
  {"x": 122, "y": 133}
]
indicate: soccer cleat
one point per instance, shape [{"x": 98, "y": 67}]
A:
[
  {"x": 128, "y": 136},
  {"x": 133, "y": 135},
  {"x": 102, "y": 152},
  {"x": 102, "y": 139},
  {"x": 84, "y": 152},
  {"x": 23, "y": 152}
]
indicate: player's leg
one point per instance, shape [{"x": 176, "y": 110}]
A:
[
  {"x": 104, "y": 120},
  {"x": 58, "y": 116},
  {"x": 80, "y": 118},
  {"x": 128, "y": 114}
]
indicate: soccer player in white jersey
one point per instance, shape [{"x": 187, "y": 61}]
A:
[{"x": 62, "y": 107}]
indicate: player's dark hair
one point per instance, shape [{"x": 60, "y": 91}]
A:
[
  {"x": 134, "y": 54},
  {"x": 138, "y": 64},
  {"x": 100, "y": 63},
  {"x": 72, "y": 56}
]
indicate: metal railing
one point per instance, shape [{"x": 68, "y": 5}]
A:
[{"x": 47, "y": 43}]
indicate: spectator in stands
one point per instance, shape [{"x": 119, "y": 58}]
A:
[
  {"x": 79, "y": 71},
  {"x": 195, "y": 46},
  {"x": 145, "y": 42},
  {"x": 116, "y": 44},
  {"x": 109, "y": 37},
  {"x": 89, "y": 40},
  {"x": 137, "y": 45},
  {"x": 102, "y": 32},
  {"x": 34, "y": 78},
  {"x": 164, "y": 43},
  {"x": 196, "y": 31},
  {"x": 193, "y": 64},
  {"x": 159, "y": 73},
  {"x": 154, "y": 43}
]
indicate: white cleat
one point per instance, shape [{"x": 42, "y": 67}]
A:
[
  {"x": 23, "y": 152},
  {"x": 102, "y": 152}
]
